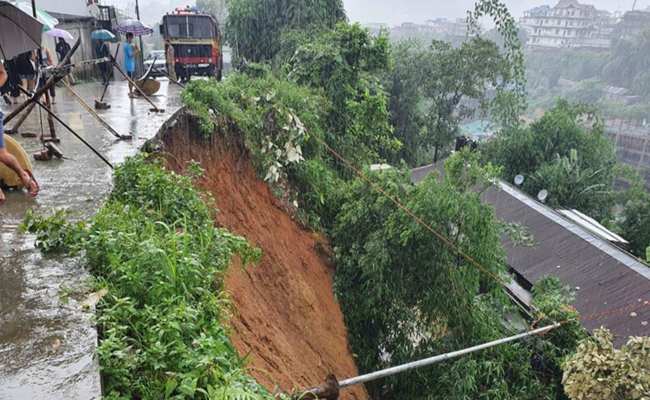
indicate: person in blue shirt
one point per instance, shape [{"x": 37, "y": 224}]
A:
[
  {"x": 7, "y": 158},
  {"x": 130, "y": 52}
]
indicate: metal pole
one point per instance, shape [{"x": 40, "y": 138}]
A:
[
  {"x": 137, "y": 14},
  {"x": 94, "y": 114},
  {"x": 51, "y": 81},
  {"x": 443, "y": 357},
  {"x": 144, "y": 96},
  {"x": 66, "y": 126}
]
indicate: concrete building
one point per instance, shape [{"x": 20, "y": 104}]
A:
[
  {"x": 440, "y": 28},
  {"x": 447, "y": 27},
  {"x": 632, "y": 24},
  {"x": 632, "y": 142},
  {"x": 569, "y": 24}
]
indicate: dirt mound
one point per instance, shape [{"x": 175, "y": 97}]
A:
[{"x": 287, "y": 320}]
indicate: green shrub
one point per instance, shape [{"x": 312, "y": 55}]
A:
[
  {"x": 163, "y": 324},
  {"x": 277, "y": 119}
]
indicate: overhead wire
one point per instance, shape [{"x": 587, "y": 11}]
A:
[{"x": 446, "y": 241}]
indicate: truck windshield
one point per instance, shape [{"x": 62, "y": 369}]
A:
[{"x": 189, "y": 26}]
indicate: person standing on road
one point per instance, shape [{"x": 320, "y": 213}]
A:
[
  {"x": 26, "y": 69},
  {"x": 130, "y": 53},
  {"x": 46, "y": 61},
  {"x": 104, "y": 67},
  {"x": 62, "y": 49},
  {"x": 7, "y": 158}
]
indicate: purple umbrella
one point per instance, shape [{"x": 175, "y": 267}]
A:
[
  {"x": 59, "y": 33},
  {"x": 135, "y": 27}
]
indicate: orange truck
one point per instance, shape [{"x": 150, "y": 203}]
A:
[{"x": 192, "y": 44}]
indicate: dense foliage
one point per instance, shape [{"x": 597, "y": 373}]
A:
[
  {"x": 162, "y": 325},
  {"x": 565, "y": 153},
  {"x": 254, "y": 27},
  {"x": 216, "y": 8},
  {"x": 344, "y": 63},
  {"x": 281, "y": 124},
  {"x": 407, "y": 294},
  {"x": 635, "y": 223},
  {"x": 598, "y": 371},
  {"x": 433, "y": 88},
  {"x": 627, "y": 65}
]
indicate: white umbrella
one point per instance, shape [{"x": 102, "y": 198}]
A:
[
  {"x": 135, "y": 27},
  {"x": 59, "y": 33},
  {"x": 19, "y": 32}
]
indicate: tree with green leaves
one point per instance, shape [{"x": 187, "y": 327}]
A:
[
  {"x": 635, "y": 224},
  {"x": 434, "y": 88},
  {"x": 343, "y": 64},
  {"x": 216, "y": 8},
  {"x": 510, "y": 95},
  {"x": 406, "y": 294},
  {"x": 254, "y": 27},
  {"x": 565, "y": 152}
]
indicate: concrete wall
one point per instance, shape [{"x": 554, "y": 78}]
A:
[{"x": 79, "y": 28}]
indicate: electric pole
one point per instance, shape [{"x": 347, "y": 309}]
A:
[{"x": 137, "y": 15}]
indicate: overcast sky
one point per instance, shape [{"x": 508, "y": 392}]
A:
[
  {"x": 386, "y": 11},
  {"x": 396, "y": 12}
]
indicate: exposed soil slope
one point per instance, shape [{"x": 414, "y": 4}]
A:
[{"x": 287, "y": 320}]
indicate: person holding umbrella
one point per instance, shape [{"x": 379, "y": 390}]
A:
[
  {"x": 130, "y": 53},
  {"x": 132, "y": 27},
  {"x": 7, "y": 158},
  {"x": 62, "y": 48},
  {"x": 19, "y": 34}
]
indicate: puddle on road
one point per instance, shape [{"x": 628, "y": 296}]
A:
[{"x": 47, "y": 343}]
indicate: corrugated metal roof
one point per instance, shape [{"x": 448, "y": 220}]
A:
[
  {"x": 612, "y": 287},
  {"x": 592, "y": 225}
]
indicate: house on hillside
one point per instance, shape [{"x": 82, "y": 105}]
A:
[
  {"x": 612, "y": 287},
  {"x": 569, "y": 24}
]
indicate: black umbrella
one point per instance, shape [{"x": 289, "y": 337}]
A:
[{"x": 19, "y": 31}]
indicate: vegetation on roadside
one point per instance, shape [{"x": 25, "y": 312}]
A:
[{"x": 163, "y": 323}]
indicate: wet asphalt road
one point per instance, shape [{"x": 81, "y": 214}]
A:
[{"x": 47, "y": 342}]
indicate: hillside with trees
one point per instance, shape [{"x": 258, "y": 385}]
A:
[{"x": 615, "y": 81}]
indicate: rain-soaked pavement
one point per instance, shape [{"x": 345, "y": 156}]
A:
[{"x": 47, "y": 342}]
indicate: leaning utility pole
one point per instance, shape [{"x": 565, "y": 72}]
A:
[{"x": 330, "y": 390}]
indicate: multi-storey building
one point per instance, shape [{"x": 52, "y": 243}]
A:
[{"x": 569, "y": 24}]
